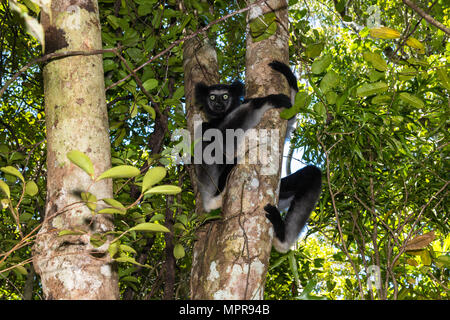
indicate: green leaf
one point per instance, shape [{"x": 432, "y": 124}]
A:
[
  {"x": 384, "y": 33},
  {"x": 263, "y": 27},
  {"x": 339, "y": 5},
  {"x": 381, "y": 99},
  {"x": 130, "y": 260},
  {"x": 425, "y": 257},
  {"x": 178, "y": 251},
  {"x": 301, "y": 99},
  {"x": 411, "y": 100},
  {"x": 13, "y": 171},
  {"x": 320, "y": 109},
  {"x": 444, "y": 259},
  {"x": 157, "y": 217},
  {"x": 279, "y": 261},
  {"x": 90, "y": 199},
  {"x": 443, "y": 77},
  {"x": 331, "y": 97},
  {"x": 314, "y": 50},
  {"x": 113, "y": 203},
  {"x": 417, "y": 62},
  {"x": 179, "y": 226},
  {"x": 164, "y": 189},
  {"x": 31, "y": 188},
  {"x": 33, "y": 6},
  {"x": 416, "y": 44},
  {"x": 135, "y": 54},
  {"x": 124, "y": 247},
  {"x": 111, "y": 211},
  {"x": 347, "y": 18},
  {"x": 407, "y": 74},
  {"x": 329, "y": 81},
  {"x": 368, "y": 89},
  {"x": 293, "y": 265},
  {"x": 321, "y": 64},
  {"x": 179, "y": 93},
  {"x": 22, "y": 270},
  {"x": 16, "y": 156},
  {"x": 376, "y": 60},
  {"x": 124, "y": 171},
  {"x": 69, "y": 232},
  {"x": 109, "y": 65},
  {"x": 183, "y": 219},
  {"x": 5, "y": 188},
  {"x": 113, "y": 248},
  {"x": 150, "y": 227},
  {"x": 129, "y": 279},
  {"x": 81, "y": 160},
  {"x": 113, "y": 21},
  {"x": 150, "y": 84},
  {"x": 144, "y": 9},
  {"x": 152, "y": 177},
  {"x": 306, "y": 293},
  {"x": 133, "y": 110},
  {"x": 150, "y": 110},
  {"x": 150, "y": 43},
  {"x": 375, "y": 75}
]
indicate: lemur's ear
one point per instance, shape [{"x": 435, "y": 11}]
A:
[
  {"x": 237, "y": 88},
  {"x": 201, "y": 91}
]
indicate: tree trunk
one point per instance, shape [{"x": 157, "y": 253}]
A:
[
  {"x": 70, "y": 267},
  {"x": 232, "y": 255},
  {"x": 200, "y": 65}
]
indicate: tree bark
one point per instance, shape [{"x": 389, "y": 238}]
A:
[
  {"x": 200, "y": 65},
  {"x": 232, "y": 255},
  {"x": 70, "y": 267}
]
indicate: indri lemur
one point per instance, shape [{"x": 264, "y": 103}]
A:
[{"x": 225, "y": 109}]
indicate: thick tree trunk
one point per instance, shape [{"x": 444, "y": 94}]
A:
[
  {"x": 76, "y": 119},
  {"x": 232, "y": 255}
]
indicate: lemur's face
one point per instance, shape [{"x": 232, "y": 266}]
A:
[{"x": 219, "y": 101}]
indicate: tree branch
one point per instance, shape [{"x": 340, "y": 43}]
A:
[
  {"x": 53, "y": 55},
  {"x": 426, "y": 16}
]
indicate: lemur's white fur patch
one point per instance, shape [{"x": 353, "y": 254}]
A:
[
  {"x": 213, "y": 203},
  {"x": 281, "y": 247}
]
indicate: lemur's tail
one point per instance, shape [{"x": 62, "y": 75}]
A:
[
  {"x": 292, "y": 80},
  {"x": 290, "y": 77}
]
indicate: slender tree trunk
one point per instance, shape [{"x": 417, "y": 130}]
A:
[
  {"x": 70, "y": 267},
  {"x": 232, "y": 255},
  {"x": 200, "y": 64}
]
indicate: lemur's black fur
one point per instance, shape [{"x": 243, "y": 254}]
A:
[{"x": 224, "y": 109}]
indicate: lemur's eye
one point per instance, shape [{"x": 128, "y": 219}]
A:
[
  {"x": 212, "y": 97},
  {"x": 225, "y": 97}
]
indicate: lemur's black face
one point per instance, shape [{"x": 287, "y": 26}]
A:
[{"x": 220, "y": 99}]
